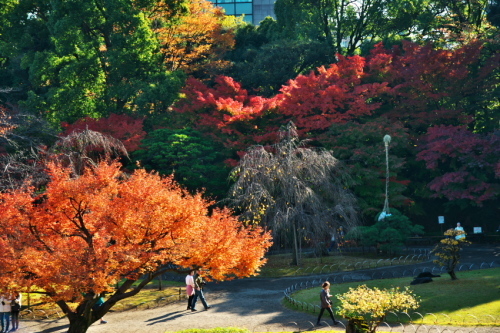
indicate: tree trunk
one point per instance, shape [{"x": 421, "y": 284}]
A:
[
  {"x": 452, "y": 275},
  {"x": 160, "y": 286},
  {"x": 295, "y": 260},
  {"x": 78, "y": 324},
  {"x": 356, "y": 326}
]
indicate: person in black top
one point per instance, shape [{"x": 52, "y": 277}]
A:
[{"x": 326, "y": 303}]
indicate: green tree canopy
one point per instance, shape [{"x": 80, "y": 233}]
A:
[
  {"x": 87, "y": 58},
  {"x": 267, "y": 68},
  {"x": 345, "y": 25},
  {"x": 494, "y": 13},
  {"x": 196, "y": 161}
]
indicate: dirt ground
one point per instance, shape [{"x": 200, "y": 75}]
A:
[{"x": 255, "y": 304}]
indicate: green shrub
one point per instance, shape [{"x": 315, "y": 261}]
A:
[{"x": 389, "y": 234}]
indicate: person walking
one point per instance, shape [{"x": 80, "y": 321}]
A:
[
  {"x": 333, "y": 243},
  {"x": 190, "y": 289},
  {"x": 341, "y": 236},
  {"x": 96, "y": 307},
  {"x": 326, "y": 303},
  {"x": 15, "y": 307},
  {"x": 5, "y": 311},
  {"x": 199, "y": 283}
]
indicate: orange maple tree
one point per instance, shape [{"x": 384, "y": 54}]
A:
[
  {"x": 102, "y": 231},
  {"x": 196, "y": 40}
]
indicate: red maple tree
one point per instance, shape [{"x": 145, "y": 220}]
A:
[
  {"x": 228, "y": 112},
  {"x": 331, "y": 95},
  {"x": 414, "y": 85},
  {"x": 313, "y": 102},
  {"x": 466, "y": 164},
  {"x": 125, "y": 128},
  {"x": 431, "y": 85}
]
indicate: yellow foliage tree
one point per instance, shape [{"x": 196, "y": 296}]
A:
[
  {"x": 195, "y": 41},
  {"x": 366, "y": 308},
  {"x": 448, "y": 250}
]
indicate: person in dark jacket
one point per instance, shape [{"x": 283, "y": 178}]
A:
[
  {"x": 326, "y": 303},
  {"x": 15, "y": 308},
  {"x": 199, "y": 283}
]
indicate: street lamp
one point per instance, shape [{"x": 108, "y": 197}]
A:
[{"x": 385, "y": 212}]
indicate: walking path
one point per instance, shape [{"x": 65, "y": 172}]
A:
[{"x": 255, "y": 304}]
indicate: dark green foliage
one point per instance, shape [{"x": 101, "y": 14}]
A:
[
  {"x": 360, "y": 145},
  {"x": 265, "y": 69},
  {"x": 494, "y": 13},
  {"x": 388, "y": 234},
  {"x": 196, "y": 161},
  {"x": 249, "y": 36},
  {"x": 343, "y": 25},
  {"x": 265, "y": 57}
]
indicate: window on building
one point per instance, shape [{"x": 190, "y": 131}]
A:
[{"x": 237, "y": 8}]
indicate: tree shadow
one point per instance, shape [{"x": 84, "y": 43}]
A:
[{"x": 167, "y": 317}]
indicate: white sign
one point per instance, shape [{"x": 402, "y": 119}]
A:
[
  {"x": 478, "y": 230},
  {"x": 441, "y": 219}
]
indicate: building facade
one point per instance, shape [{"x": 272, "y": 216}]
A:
[{"x": 254, "y": 11}]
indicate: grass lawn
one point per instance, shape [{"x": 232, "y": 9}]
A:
[{"x": 473, "y": 299}]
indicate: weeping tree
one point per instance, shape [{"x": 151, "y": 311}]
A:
[
  {"x": 293, "y": 189},
  {"x": 87, "y": 148},
  {"x": 77, "y": 150}
]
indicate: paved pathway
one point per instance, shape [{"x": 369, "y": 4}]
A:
[{"x": 255, "y": 304}]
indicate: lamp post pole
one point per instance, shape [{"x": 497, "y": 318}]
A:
[{"x": 385, "y": 211}]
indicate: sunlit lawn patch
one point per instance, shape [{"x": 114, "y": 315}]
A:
[
  {"x": 149, "y": 297},
  {"x": 471, "y": 300}
]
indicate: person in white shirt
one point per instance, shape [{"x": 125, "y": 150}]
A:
[
  {"x": 5, "y": 311},
  {"x": 190, "y": 289}
]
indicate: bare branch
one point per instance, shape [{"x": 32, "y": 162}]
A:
[{"x": 88, "y": 147}]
